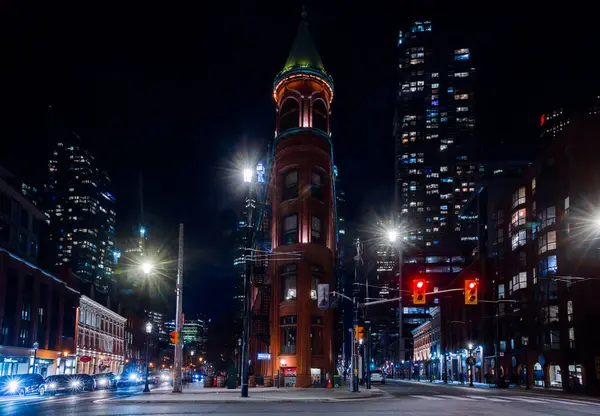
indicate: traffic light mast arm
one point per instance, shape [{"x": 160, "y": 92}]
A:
[
  {"x": 376, "y": 302},
  {"x": 499, "y": 301}
]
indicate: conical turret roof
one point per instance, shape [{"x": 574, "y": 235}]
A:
[
  {"x": 304, "y": 52},
  {"x": 303, "y": 57}
]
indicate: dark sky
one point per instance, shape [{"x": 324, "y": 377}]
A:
[{"x": 181, "y": 93}]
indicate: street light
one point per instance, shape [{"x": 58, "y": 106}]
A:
[
  {"x": 36, "y": 345},
  {"x": 247, "y": 175},
  {"x": 392, "y": 236},
  {"x": 148, "y": 332},
  {"x": 147, "y": 267}
]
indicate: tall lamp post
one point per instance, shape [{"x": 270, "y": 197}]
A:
[
  {"x": 36, "y": 345},
  {"x": 148, "y": 332},
  {"x": 248, "y": 173},
  {"x": 392, "y": 237}
]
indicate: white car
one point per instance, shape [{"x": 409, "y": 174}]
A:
[{"x": 377, "y": 377}]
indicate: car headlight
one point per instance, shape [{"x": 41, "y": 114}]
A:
[
  {"x": 133, "y": 377},
  {"x": 13, "y": 386},
  {"x": 52, "y": 385},
  {"x": 102, "y": 382},
  {"x": 75, "y": 383}
]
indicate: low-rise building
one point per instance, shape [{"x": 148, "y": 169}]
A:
[
  {"x": 36, "y": 310},
  {"x": 100, "y": 338}
]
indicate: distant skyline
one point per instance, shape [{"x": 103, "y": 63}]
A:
[{"x": 180, "y": 94}]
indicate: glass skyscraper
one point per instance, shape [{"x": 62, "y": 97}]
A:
[
  {"x": 81, "y": 212},
  {"x": 434, "y": 124}
]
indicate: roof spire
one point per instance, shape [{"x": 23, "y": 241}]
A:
[{"x": 304, "y": 14}]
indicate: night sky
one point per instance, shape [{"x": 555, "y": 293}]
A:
[{"x": 181, "y": 94}]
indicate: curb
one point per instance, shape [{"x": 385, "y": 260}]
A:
[{"x": 249, "y": 400}]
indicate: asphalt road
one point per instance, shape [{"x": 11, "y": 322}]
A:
[{"x": 402, "y": 399}]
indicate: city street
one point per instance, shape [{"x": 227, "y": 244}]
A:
[{"x": 402, "y": 399}]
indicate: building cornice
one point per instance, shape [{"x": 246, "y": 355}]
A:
[{"x": 93, "y": 304}]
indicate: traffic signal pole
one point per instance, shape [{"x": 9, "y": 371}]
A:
[{"x": 177, "y": 376}]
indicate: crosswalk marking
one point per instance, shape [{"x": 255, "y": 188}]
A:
[
  {"x": 426, "y": 397},
  {"x": 491, "y": 399},
  {"x": 456, "y": 398}
]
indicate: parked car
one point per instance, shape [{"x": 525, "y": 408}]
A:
[
  {"x": 22, "y": 384},
  {"x": 105, "y": 380},
  {"x": 377, "y": 377},
  {"x": 70, "y": 383}
]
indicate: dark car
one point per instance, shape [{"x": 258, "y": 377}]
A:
[
  {"x": 22, "y": 384},
  {"x": 70, "y": 383},
  {"x": 105, "y": 380}
]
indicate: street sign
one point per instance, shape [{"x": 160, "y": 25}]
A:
[
  {"x": 471, "y": 360},
  {"x": 263, "y": 356},
  {"x": 323, "y": 296}
]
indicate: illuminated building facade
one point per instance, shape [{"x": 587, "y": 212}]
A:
[
  {"x": 553, "y": 122},
  {"x": 434, "y": 131},
  {"x": 81, "y": 213},
  {"x": 303, "y": 219}
]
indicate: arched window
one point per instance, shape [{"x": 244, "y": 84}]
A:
[
  {"x": 289, "y": 115},
  {"x": 319, "y": 119}
]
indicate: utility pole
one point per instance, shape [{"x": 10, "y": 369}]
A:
[
  {"x": 355, "y": 293},
  {"x": 247, "y": 291},
  {"x": 368, "y": 345},
  {"x": 177, "y": 380},
  {"x": 401, "y": 352}
]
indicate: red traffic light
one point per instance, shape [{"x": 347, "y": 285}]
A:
[
  {"x": 472, "y": 285},
  {"x": 420, "y": 284}
]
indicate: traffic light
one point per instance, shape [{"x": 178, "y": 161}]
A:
[
  {"x": 175, "y": 337},
  {"x": 419, "y": 292},
  {"x": 471, "y": 292},
  {"x": 360, "y": 333}
]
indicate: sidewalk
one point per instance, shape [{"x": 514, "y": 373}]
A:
[{"x": 198, "y": 394}]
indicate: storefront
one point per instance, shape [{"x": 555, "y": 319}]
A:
[
  {"x": 289, "y": 376},
  {"x": 42, "y": 366},
  {"x": 19, "y": 360},
  {"x": 13, "y": 365},
  {"x": 316, "y": 376}
]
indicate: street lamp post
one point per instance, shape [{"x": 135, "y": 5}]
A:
[
  {"x": 148, "y": 332},
  {"x": 471, "y": 364},
  {"x": 36, "y": 345},
  {"x": 248, "y": 173},
  {"x": 392, "y": 237},
  {"x": 177, "y": 378}
]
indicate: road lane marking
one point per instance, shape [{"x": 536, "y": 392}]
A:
[
  {"x": 524, "y": 399},
  {"x": 425, "y": 397},
  {"x": 455, "y": 397},
  {"x": 566, "y": 402},
  {"x": 491, "y": 399}
]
